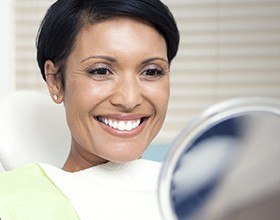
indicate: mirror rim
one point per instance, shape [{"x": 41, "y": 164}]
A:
[{"x": 208, "y": 118}]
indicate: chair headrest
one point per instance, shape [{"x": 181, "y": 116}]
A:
[{"x": 32, "y": 129}]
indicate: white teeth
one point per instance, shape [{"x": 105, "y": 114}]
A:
[
  {"x": 121, "y": 125},
  {"x": 128, "y": 126},
  {"x": 115, "y": 125},
  {"x": 137, "y": 123},
  {"x": 134, "y": 125},
  {"x": 106, "y": 121}
]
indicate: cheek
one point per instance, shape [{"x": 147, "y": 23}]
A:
[
  {"x": 158, "y": 94},
  {"x": 83, "y": 95}
]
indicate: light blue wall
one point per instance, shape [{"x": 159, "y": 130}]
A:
[{"x": 156, "y": 152}]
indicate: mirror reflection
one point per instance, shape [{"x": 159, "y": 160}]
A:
[
  {"x": 229, "y": 169},
  {"x": 202, "y": 165}
]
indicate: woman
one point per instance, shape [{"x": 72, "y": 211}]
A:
[{"x": 108, "y": 61}]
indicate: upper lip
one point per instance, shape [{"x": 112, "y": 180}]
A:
[{"x": 123, "y": 117}]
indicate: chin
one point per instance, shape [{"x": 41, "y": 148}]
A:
[{"x": 122, "y": 152}]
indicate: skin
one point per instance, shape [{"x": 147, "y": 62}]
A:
[{"x": 118, "y": 70}]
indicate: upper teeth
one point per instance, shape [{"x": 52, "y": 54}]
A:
[{"x": 121, "y": 125}]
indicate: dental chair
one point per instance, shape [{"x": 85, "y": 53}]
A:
[{"x": 32, "y": 129}]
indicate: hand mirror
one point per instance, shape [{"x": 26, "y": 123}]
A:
[{"x": 225, "y": 164}]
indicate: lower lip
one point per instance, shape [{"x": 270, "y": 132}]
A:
[{"x": 123, "y": 134}]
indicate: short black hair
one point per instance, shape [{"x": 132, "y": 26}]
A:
[{"x": 65, "y": 19}]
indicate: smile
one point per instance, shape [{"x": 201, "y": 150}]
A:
[{"x": 119, "y": 125}]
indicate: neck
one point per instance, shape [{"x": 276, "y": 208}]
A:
[{"x": 80, "y": 159}]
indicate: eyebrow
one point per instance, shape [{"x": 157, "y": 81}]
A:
[
  {"x": 112, "y": 59},
  {"x": 153, "y": 59}
]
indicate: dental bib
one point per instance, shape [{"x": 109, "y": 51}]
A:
[{"x": 111, "y": 190}]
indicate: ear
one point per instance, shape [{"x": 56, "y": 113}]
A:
[{"x": 54, "y": 83}]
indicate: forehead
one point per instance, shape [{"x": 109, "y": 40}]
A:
[{"x": 120, "y": 35}]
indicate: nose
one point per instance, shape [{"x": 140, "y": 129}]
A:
[{"x": 127, "y": 94}]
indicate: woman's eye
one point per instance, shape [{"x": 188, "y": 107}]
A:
[
  {"x": 99, "y": 71},
  {"x": 152, "y": 73}
]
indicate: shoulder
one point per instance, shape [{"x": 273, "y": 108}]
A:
[
  {"x": 149, "y": 163},
  {"x": 18, "y": 179},
  {"x": 28, "y": 190},
  {"x": 147, "y": 167},
  {"x": 24, "y": 180}
]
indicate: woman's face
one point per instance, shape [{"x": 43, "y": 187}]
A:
[{"x": 116, "y": 90}]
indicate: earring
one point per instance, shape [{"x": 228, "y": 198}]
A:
[{"x": 55, "y": 97}]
